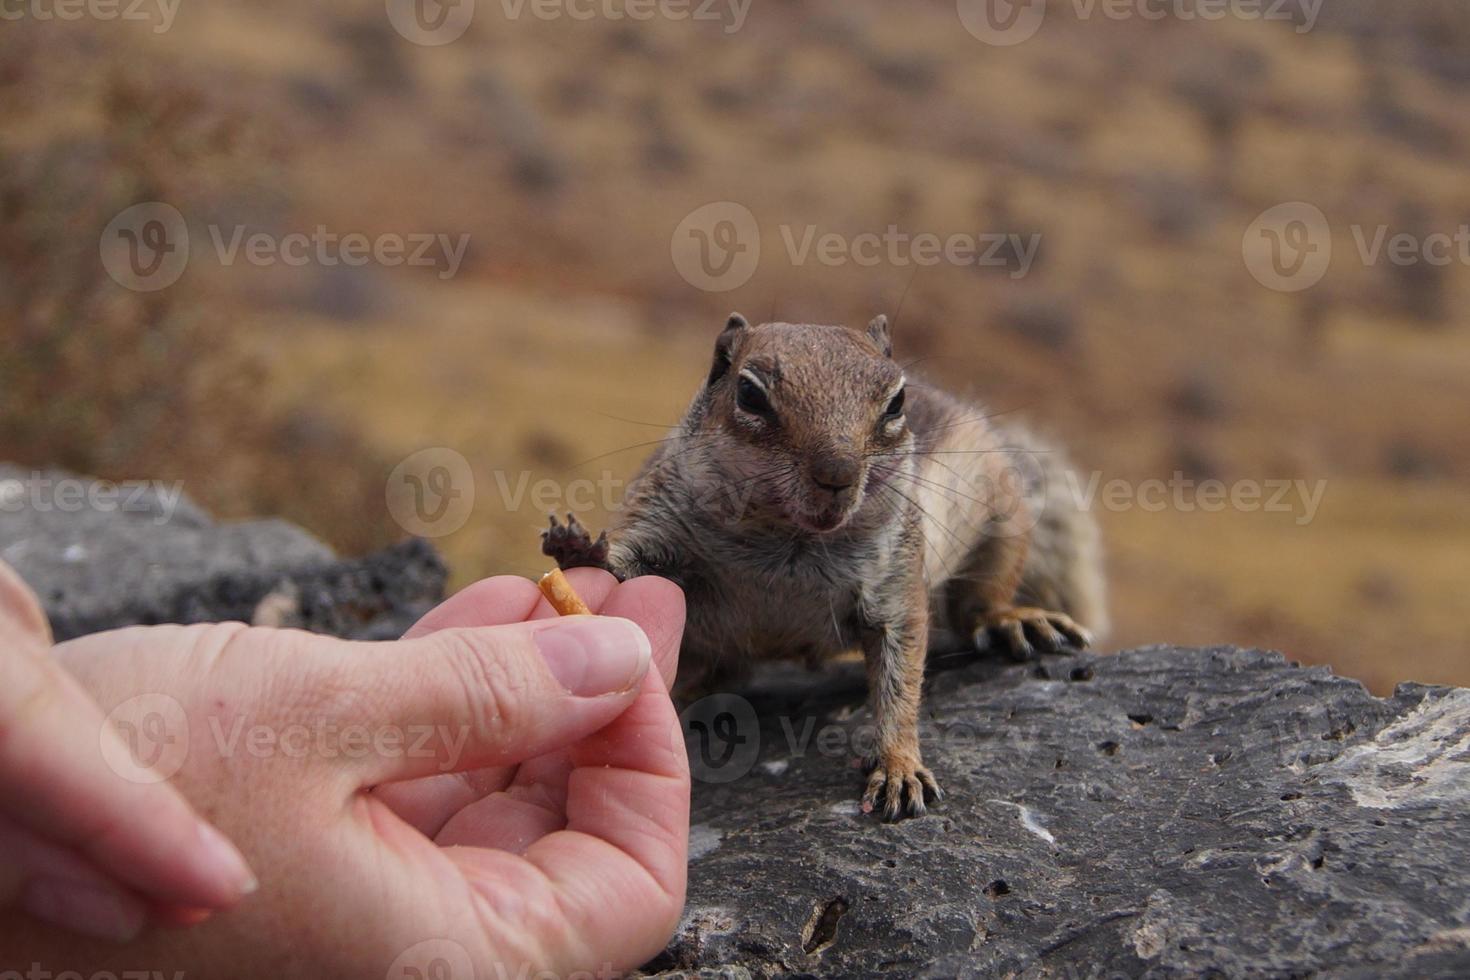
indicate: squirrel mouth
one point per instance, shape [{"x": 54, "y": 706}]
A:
[{"x": 822, "y": 522}]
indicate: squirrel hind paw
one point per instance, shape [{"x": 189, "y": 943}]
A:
[
  {"x": 572, "y": 545},
  {"x": 1025, "y": 632}
]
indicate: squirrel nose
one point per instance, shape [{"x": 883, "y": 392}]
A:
[{"x": 835, "y": 474}]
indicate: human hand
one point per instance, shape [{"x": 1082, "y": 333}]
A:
[
  {"x": 75, "y": 852},
  {"x": 564, "y": 848}
]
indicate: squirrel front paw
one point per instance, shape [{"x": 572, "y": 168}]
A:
[
  {"x": 572, "y": 546},
  {"x": 900, "y": 783},
  {"x": 1022, "y": 630}
]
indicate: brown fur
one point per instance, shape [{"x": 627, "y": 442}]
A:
[{"x": 804, "y": 519}]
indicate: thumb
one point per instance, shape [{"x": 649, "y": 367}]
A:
[{"x": 463, "y": 699}]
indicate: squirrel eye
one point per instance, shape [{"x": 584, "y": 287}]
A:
[
  {"x": 895, "y": 407},
  {"x": 751, "y": 398}
]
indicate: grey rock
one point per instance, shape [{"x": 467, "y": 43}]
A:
[
  {"x": 101, "y": 556},
  {"x": 1161, "y": 813}
]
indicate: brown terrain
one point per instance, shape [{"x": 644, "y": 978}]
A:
[{"x": 569, "y": 151}]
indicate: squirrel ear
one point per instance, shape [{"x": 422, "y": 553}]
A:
[
  {"x": 724, "y": 347},
  {"x": 878, "y": 330}
]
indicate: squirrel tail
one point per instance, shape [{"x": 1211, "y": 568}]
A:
[{"x": 1064, "y": 565}]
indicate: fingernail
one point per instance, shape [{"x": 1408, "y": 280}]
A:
[
  {"x": 87, "y": 909},
  {"x": 592, "y": 655},
  {"x": 226, "y": 862}
]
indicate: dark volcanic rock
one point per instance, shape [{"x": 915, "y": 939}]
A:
[
  {"x": 145, "y": 555},
  {"x": 1162, "y": 812}
]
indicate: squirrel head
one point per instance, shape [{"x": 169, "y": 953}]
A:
[{"x": 807, "y": 420}]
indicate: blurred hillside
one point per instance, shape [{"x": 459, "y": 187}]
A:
[{"x": 569, "y": 151}]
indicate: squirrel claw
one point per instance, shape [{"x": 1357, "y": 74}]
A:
[
  {"x": 902, "y": 788},
  {"x": 572, "y": 546},
  {"x": 1024, "y": 630}
]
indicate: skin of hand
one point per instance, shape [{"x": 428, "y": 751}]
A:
[
  {"x": 440, "y": 807},
  {"x": 74, "y": 852}
]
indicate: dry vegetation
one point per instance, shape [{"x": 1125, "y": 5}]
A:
[{"x": 570, "y": 150}]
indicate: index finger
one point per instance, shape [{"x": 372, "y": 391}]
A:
[{"x": 648, "y": 600}]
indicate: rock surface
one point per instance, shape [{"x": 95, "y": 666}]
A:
[
  {"x": 1162, "y": 812},
  {"x": 145, "y": 554}
]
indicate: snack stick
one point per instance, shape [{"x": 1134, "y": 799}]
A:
[{"x": 561, "y": 595}]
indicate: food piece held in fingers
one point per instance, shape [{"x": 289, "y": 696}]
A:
[{"x": 563, "y": 598}]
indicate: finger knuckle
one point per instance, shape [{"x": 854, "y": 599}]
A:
[{"x": 493, "y": 682}]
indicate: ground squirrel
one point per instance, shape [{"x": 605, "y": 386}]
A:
[{"x": 815, "y": 500}]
